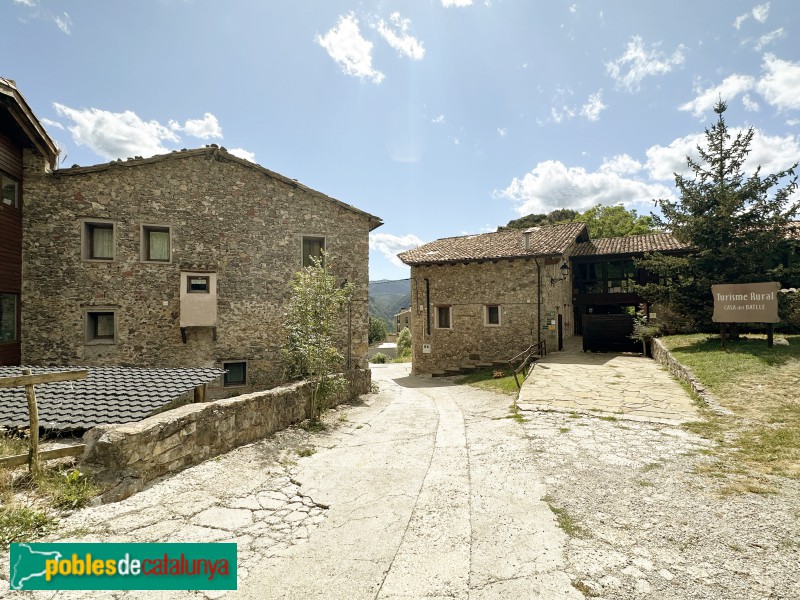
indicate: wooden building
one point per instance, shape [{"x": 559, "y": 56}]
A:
[{"x": 20, "y": 134}]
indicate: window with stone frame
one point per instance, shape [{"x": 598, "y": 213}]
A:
[
  {"x": 101, "y": 326},
  {"x": 98, "y": 240},
  {"x": 312, "y": 248},
  {"x": 235, "y": 373},
  {"x": 444, "y": 317},
  {"x": 491, "y": 315},
  {"x": 156, "y": 243}
]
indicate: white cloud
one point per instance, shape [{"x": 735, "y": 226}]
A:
[
  {"x": 761, "y": 12},
  {"x": 573, "y": 8},
  {"x": 449, "y": 3},
  {"x": 116, "y": 135},
  {"x": 349, "y": 49},
  {"x": 768, "y": 38},
  {"x": 730, "y": 87},
  {"x": 780, "y": 86},
  {"x": 750, "y": 104},
  {"x": 637, "y": 62},
  {"x": 594, "y": 106},
  {"x": 793, "y": 122},
  {"x": 502, "y": 131},
  {"x": 205, "y": 128},
  {"x": 772, "y": 153},
  {"x": 391, "y": 245},
  {"x": 622, "y": 164},
  {"x": 50, "y": 123},
  {"x": 242, "y": 153},
  {"x": 737, "y": 23},
  {"x": 25, "y": 2},
  {"x": 406, "y": 44},
  {"x": 63, "y": 23},
  {"x": 551, "y": 185},
  {"x": 558, "y": 115},
  {"x": 438, "y": 119}
]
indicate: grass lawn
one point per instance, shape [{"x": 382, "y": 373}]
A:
[
  {"x": 761, "y": 386},
  {"x": 485, "y": 379}
]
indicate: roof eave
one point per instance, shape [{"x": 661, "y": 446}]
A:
[{"x": 27, "y": 121}]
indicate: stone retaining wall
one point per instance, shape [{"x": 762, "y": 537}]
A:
[
  {"x": 663, "y": 356},
  {"x": 127, "y": 457}
]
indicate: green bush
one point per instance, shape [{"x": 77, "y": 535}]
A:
[
  {"x": 380, "y": 358},
  {"x": 404, "y": 343}
]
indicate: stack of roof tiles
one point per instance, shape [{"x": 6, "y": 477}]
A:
[
  {"x": 632, "y": 244},
  {"x": 109, "y": 395}
]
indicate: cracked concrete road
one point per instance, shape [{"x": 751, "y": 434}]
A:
[
  {"x": 431, "y": 496},
  {"x": 424, "y": 490}
]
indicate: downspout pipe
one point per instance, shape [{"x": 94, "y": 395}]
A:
[{"x": 428, "y": 304}]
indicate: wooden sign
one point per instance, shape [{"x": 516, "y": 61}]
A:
[{"x": 746, "y": 302}]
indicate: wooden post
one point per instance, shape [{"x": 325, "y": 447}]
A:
[
  {"x": 200, "y": 393},
  {"x": 34, "y": 466},
  {"x": 770, "y": 334},
  {"x": 723, "y": 329}
]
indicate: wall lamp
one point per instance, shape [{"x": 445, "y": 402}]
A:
[{"x": 564, "y": 274}]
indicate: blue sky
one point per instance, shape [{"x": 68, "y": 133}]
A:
[{"x": 442, "y": 117}]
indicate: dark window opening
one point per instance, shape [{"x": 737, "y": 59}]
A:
[
  {"x": 100, "y": 327},
  {"x": 493, "y": 315},
  {"x": 443, "y": 317},
  {"x": 235, "y": 373},
  {"x": 10, "y": 191},
  {"x": 8, "y": 318},
  {"x": 198, "y": 284},
  {"x": 312, "y": 248}
]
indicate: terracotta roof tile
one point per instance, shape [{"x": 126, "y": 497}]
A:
[
  {"x": 544, "y": 241},
  {"x": 632, "y": 244}
]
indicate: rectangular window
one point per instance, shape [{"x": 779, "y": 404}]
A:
[
  {"x": 312, "y": 248},
  {"x": 101, "y": 327},
  {"x": 492, "y": 315},
  {"x": 8, "y": 318},
  {"x": 98, "y": 241},
  {"x": 10, "y": 191},
  {"x": 235, "y": 373},
  {"x": 156, "y": 243},
  {"x": 443, "y": 317},
  {"x": 198, "y": 284}
]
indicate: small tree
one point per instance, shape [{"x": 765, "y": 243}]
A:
[
  {"x": 404, "y": 343},
  {"x": 377, "y": 330},
  {"x": 313, "y": 324},
  {"x": 614, "y": 221},
  {"x": 643, "y": 329},
  {"x": 734, "y": 225}
]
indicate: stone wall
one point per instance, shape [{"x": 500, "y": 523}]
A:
[
  {"x": 664, "y": 357},
  {"x": 467, "y": 289},
  {"x": 126, "y": 457},
  {"x": 226, "y": 216}
]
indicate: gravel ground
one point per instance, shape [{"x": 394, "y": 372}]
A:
[{"x": 652, "y": 527}]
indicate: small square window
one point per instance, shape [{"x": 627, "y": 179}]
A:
[
  {"x": 312, "y": 248},
  {"x": 235, "y": 373},
  {"x": 156, "y": 243},
  {"x": 443, "y": 317},
  {"x": 98, "y": 241},
  {"x": 198, "y": 284},
  {"x": 10, "y": 191},
  {"x": 492, "y": 315},
  {"x": 101, "y": 327}
]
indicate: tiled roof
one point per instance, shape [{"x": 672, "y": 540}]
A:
[
  {"x": 632, "y": 244},
  {"x": 108, "y": 395},
  {"x": 544, "y": 241},
  {"x": 221, "y": 154}
]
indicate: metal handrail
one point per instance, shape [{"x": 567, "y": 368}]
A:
[{"x": 530, "y": 357}]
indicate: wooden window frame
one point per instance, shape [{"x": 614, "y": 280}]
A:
[
  {"x": 438, "y": 308},
  {"x": 303, "y": 248},
  {"x": 87, "y": 227},
  {"x": 236, "y": 384},
  {"x": 90, "y": 328},
  {"x": 189, "y": 289},
  {"x": 486, "y": 310},
  {"x": 144, "y": 236}
]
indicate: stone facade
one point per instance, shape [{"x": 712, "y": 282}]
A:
[
  {"x": 126, "y": 457},
  {"x": 468, "y": 289},
  {"x": 231, "y": 220}
]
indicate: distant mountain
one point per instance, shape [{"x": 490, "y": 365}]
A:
[{"x": 387, "y": 298}]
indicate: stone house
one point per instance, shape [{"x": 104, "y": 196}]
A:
[
  {"x": 180, "y": 260},
  {"x": 402, "y": 320},
  {"x": 488, "y": 297},
  {"x": 24, "y": 144}
]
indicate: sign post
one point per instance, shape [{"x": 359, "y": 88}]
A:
[{"x": 746, "y": 303}]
